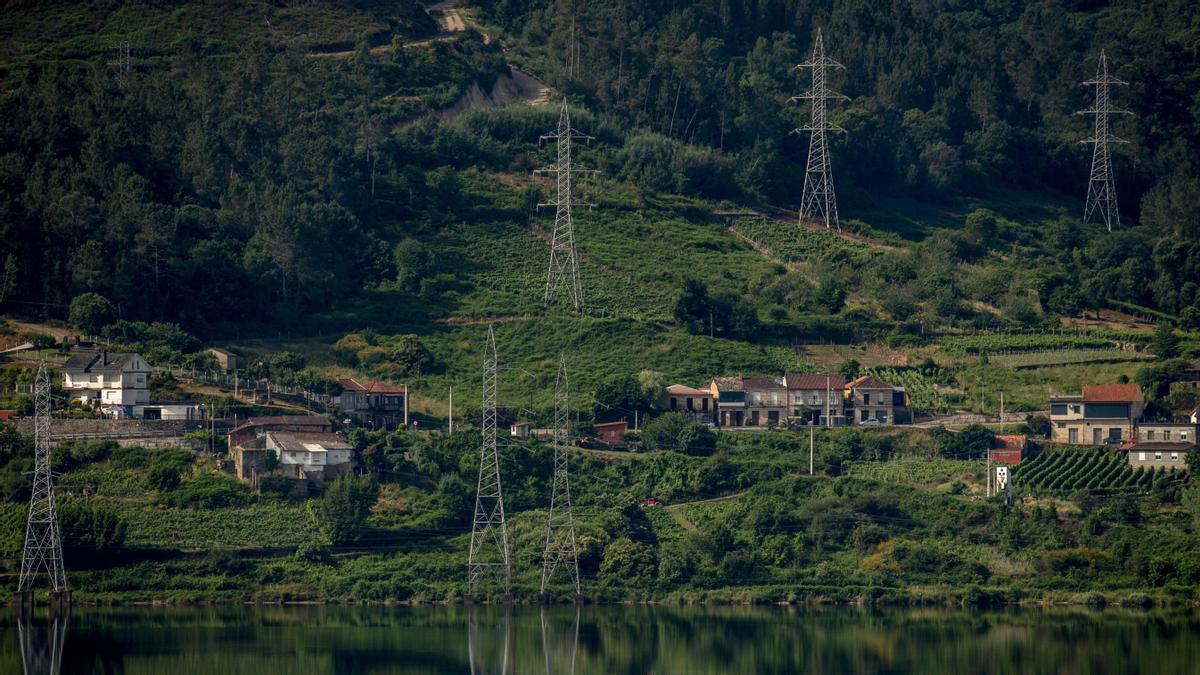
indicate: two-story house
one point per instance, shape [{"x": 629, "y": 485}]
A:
[
  {"x": 872, "y": 400},
  {"x": 1101, "y": 414},
  {"x": 766, "y": 401},
  {"x": 696, "y": 402},
  {"x": 1161, "y": 444},
  {"x": 107, "y": 379},
  {"x": 377, "y": 404},
  {"x": 302, "y": 448},
  {"x": 816, "y": 398}
]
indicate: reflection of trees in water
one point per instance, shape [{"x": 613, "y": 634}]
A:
[{"x": 42, "y": 645}]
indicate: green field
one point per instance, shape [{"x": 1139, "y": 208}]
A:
[{"x": 1095, "y": 470}]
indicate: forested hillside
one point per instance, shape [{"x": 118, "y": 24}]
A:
[{"x": 304, "y": 168}]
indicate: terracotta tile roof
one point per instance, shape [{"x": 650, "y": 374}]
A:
[
  {"x": 6, "y": 415},
  {"x": 683, "y": 389},
  {"x": 372, "y": 387},
  {"x": 869, "y": 382},
  {"x": 1011, "y": 442},
  {"x": 814, "y": 380},
  {"x": 1112, "y": 393},
  {"x": 761, "y": 383}
]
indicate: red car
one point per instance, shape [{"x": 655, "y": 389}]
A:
[{"x": 650, "y": 502}]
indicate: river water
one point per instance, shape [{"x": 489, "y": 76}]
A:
[{"x": 598, "y": 639}]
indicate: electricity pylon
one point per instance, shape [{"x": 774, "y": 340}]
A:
[
  {"x": 818, "y": 202},
  {"x": 1102, "y": 193},
  {"x": 43, "y": 546},
  {"x": 564, "y": 260},
  {"x": 560, "y": 526},
  {"x": 489, "y": 557},
  {"x": 123, "y": 64}
]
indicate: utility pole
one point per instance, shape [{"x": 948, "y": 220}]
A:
[
  {"x": 818, "y": 202},
  {"x": 488, "y": 555},
  {"x": 564, "y": 259},
  {"x": 560, "y": 526},
  {"x": 43, "y": 544},
  {"x": 989, "y": 471},
  {"x": 450, "y": 428},
  {"x": 1102, "y": 192},
  {"x": 811, "y": 443},
  {"x": 406, "y": 407}
]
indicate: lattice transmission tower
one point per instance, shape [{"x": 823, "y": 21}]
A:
[
  {"x": 123, "y": 63},
  {"x": 489, "y": 554},
  {"x": 1102, "y": 192},
  {"x": 560, "y": 527},
  {"x": 818, "y": 202},
  {"x": 43, "y": 545},
  {"x": 564, "y": 259}
]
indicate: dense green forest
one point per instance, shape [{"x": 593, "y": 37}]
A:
[{"x": 205, "y": 183}]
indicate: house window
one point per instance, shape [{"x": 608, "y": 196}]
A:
[
  {"x": 1062, "y": 425},
  {"x": 1183, "y": 435},
  {"x": 1073, "y": 436},
  {"x": 1114, "y": 434},
  {"x": 1174, "y": 455},
  {"x": 1166, "y": 434},
  {"x": 674, "y": 403},
  {"x": 1141, "y": 456},
  {"x": 1158, "y": 456},
  {"x": 1150, "y": 435},
  {"x": 690, "y": 405},
  {"x": 1075, "y": 409},
  {"x": 704, "y": 404},
  {"x": 863, "y": 417},
  {"x": 866, "y": 398}
]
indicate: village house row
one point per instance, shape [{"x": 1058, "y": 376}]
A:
[{"x": 796, "y": 398}]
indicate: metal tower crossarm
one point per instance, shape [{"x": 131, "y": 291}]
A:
[{"x": 818, "y": 201}]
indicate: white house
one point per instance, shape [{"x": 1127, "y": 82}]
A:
[{"x": 107, "y": 379}]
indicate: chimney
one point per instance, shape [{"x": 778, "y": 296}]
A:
[{"x": 104, "y": 358}]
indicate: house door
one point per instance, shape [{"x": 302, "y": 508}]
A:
[
  {"x": 1096, "y": 436},
  {"x": 1072, "y": 435},
  {"x": 754, "y": 418}
]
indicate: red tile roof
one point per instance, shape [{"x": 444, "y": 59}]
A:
[
  {"x": 6, "y": 415},
  {"x": 373, "y": 387},
  {"x": 869, "y": 382},
  {"x": 1011, "y": 442},
  {"x": 814, "y": 380},
  {"x": 683, "y": 389},
  {"x": 1112, "y": 393}
]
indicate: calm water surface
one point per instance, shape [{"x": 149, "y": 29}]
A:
[{"x": 362, "y": 640}]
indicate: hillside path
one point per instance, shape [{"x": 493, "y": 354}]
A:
[{"x": 676, "y": 510}]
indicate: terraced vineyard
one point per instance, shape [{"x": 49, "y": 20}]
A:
[
  {"x": 1095, "y": 470},
  {"x": 1059, "y": 357},
  {"x": 989, "y": 343},
  {"x": 920, "y": 386},
  {"x": 794, "y": 244}
]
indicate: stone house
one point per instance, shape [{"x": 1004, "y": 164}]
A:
[
  {"x": 696, "y": 402},
  {"x": 871, "y": 400},
  {"x": 1101, "y": 414},
  {"x": 818, "y": 398},
  {"x": 1161, "y": 444}
]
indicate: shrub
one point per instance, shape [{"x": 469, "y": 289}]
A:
[
  {"x": 209, "y": 491},
  {"x": 163, "y": 478},
  {"x": 626, "y": 561},
  {"x": 677, "y": 431},
  {"x": 343, "y": 509}
]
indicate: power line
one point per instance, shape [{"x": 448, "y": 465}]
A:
[
  {"x": 818, "y": 202},
  {"x": 1102, "y": 192}
]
